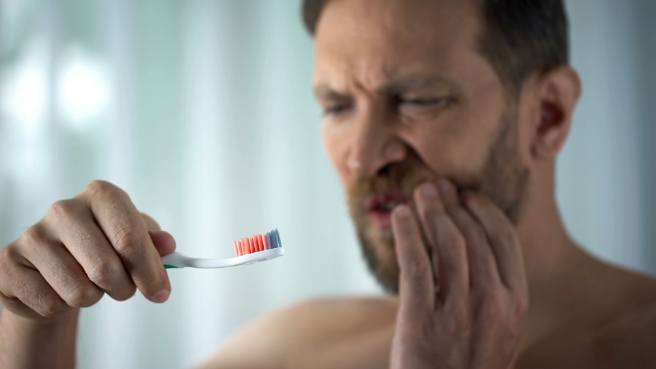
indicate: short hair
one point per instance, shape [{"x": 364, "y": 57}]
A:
[{"x": 519, "y": 37}]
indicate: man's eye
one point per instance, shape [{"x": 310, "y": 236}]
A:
[
  {"x": 424, "y": 102},
  {"x": 335, "y": 109}
]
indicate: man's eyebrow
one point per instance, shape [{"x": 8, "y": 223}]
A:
[
  {"x": 323, "y": 91},
  {"x": 394, "y": 84},
  {"x": 409, "y": 82}
]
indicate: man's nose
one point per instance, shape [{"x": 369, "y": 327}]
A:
[{"x": 374, "y": 145}]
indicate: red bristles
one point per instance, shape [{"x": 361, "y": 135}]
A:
[
  {"x": 260, "y": 245},
  {"x": 252, "y": 244}
]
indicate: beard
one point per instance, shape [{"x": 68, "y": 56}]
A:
[{"x": 502, "y": 178}]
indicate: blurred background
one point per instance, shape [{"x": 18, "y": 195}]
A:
[{"x": 202, "y": 111}]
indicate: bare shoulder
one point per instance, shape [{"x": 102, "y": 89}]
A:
[
  {"x": 287, "y": 333},
  {"x": 627, "y": 339}
]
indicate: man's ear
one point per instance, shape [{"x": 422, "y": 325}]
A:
[{"x": 556, "y": 95}]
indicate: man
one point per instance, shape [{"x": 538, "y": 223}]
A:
[{"x": 444, "y": 119}]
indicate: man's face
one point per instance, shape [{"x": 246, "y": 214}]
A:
[{"x": 408, "y": 98}]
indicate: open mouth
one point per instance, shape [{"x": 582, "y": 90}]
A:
[{"x": 379, "y": 206}]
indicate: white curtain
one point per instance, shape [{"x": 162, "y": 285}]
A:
[{"x": 202, "y": 111}]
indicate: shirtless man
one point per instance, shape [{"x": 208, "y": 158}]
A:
[{"x": 444, "y": 119}]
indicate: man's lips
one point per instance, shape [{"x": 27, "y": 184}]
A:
[{"x": 379, "y": 206}]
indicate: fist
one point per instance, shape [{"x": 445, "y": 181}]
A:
[{"x": 95, "y": 243}]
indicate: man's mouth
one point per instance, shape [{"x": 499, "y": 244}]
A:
[{"x": 378, "y": 207}]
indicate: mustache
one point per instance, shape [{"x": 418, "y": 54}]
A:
[
  {"x": 404, "y": 179},
  {"x": 392, "y": 178}
]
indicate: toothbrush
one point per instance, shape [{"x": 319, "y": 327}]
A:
[{"x": 247, "y": 250}]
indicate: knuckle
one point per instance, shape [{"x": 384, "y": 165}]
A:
[
  {"x": 103, "y": 273},
  {"x": 33, "y": 236},
  {"x": 8, "y": 255},
  {"x": 126, "y": 239},
  {"x": 124, "y": 293},
  {"x": 151, "y": 223},
  {"x": 60, "y": 209},
  {"x": 428, "y": 212},
  {"x": 100, "y": 188},
  {"x": 52, "y": 307},
  {"x": 414, "y": 270},
  {"x": 83, "y": 296},
  {"x": 7, "y": 260}
]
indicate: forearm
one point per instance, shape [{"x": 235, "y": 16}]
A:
[{"x": 27, "y": 344}]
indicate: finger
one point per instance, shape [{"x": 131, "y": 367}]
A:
[
  {"x": 452, "y": 255},
  {"x": 483, "y": 272},
  {"x": 72, "y": 222},
  {"x": 17, "y": 307},
  {"x": 124, "y": 227},
  {"x": 62, "y": 272},
  {"x": 20, "y": 284},
  {"x": 151, "y": 224},
  {"x": 416, "y": 275},
  {"x": 482, "y": 269},
  {"x": 163, "y": 241},
  {"x": 503, "y": 238},
  {"x": 429, "y": 205}
]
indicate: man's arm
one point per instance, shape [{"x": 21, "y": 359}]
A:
[{"x": 27, "y": 343}]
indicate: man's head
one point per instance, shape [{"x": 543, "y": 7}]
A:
[{"x": 476, "y": 91}]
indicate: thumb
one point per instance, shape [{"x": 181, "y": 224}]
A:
[{"x": 163, "y": 241}]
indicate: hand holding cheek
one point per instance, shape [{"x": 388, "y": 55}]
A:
[{"x": 462, "y": 283}]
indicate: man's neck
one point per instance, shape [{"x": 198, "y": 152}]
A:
[{"x": 561, "y": 275}]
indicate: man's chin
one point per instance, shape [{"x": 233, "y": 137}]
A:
[{"x": 378, "y": 250}]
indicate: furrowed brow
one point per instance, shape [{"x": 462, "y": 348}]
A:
[
  {"x": 326, "y": 92},
  {"x": 414, "y": 82}
]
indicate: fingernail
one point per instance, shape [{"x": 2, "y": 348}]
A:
[
  {"x": 444, "y": 185},
  {"x": 428, "y": 190},
  {"x": 161, "y": 296},
  {"x": 402, "y": 211}
]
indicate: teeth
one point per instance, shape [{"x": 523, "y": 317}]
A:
[{"x": 389, "y": 206}]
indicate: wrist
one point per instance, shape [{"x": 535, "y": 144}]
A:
[{"x": 24, "y": 324}]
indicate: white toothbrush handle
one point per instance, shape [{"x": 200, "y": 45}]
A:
[{"x": 178, "y": 260}]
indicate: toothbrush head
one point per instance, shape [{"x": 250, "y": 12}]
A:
[{"x": 258, "y": 243}]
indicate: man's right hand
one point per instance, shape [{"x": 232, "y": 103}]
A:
[{"x": 95, "y": 243}]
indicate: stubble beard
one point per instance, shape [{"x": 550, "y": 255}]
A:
[{"x": 502, "y": 179}]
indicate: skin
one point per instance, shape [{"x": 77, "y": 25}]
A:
[
  {"x": 477, "y": 287},
  {"x": 93, "y": 244},
  {"x": 476, "y": 290}
]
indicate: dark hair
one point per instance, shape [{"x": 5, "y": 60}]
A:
[{"x": 520, "y": 37}]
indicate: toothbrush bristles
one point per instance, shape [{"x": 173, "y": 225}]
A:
[{"x": 257, "y": 243}]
